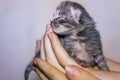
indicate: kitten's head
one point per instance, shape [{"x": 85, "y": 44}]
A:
[{"x": 70, "y": 16}]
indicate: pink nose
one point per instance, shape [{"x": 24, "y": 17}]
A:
[{"x": 54, "y": 24}]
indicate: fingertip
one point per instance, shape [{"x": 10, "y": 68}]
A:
[
  {"x": 36, "y": 61},
  {"x": 48, "y": 28},
  {"x": 77, "y": 73},
  {"x": 71, "y": 71},
  {"x": 38, "y": 41},
  {"x": 53, "y": 37}
]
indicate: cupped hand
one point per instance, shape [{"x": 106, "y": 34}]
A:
[{"x": 55, "y": 63}]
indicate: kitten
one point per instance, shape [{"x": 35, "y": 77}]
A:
[{"x": 78, "y": 35}]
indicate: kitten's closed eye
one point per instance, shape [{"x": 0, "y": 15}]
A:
[
  {"x": 62, "y": 21},
  {"x": 68, "y": 25}
]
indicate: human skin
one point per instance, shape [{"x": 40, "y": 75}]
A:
[{"x": 56, "y": 63}]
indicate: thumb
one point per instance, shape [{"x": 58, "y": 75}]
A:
[
  {"x": 77, "y": 73},
  {"x": 72, "y": 72}
]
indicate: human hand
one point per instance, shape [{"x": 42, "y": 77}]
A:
[
  {"x": 55, "y": 61},
  {"x": 56, "y": 64}
]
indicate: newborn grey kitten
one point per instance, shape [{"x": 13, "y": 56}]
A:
[{"x": 78, "y": 35}]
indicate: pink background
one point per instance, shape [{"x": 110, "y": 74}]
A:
[{"x": 22, "y": 22}]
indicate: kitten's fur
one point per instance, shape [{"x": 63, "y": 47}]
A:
[
  {"x": 78, "y": 35},
  {"x": 77, "y": 32}
]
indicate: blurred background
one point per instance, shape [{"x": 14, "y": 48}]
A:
[{"x": 22, "y": 22}]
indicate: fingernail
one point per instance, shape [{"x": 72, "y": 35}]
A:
[
  {"x": 68, "y": 69},
  {"x": 71, "y": 71},
  {"x": 35, "y": 62},
  {"x": 48, "y": 27}
]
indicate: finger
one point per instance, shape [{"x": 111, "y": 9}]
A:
[
  {"x": 40, "y": 74},
  {"x": 76, "y": 73},
  {"x": 105, "y": 75},
  {"x": 50, "y": 56},
  {"x": 48, "y": 28},
  {"x": 38, "y": 54},
  {"x": 37, "y": 49},
  {"x": 50, "y": 71},
  {"x": 60, "y": 52},
  {"x": 37, "y": 46},
  {"x": 42, "y": 52}
]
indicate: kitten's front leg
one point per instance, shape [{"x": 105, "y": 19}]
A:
[
  {"x": 100, "y": 60},
  {"x": 94, "y": 47}
]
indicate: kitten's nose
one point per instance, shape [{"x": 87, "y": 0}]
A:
[{"x": 54, "y": 24}]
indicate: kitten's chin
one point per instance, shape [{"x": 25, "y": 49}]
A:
[
  {"x": 60, "y": 31},
  {"x": 57, "y": 31}
]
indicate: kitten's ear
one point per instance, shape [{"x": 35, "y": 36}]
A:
[
  {"x": 84, "y": 18},
  {"x": 81, "y": 16},
  {"x": 76, "y": 14}
]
